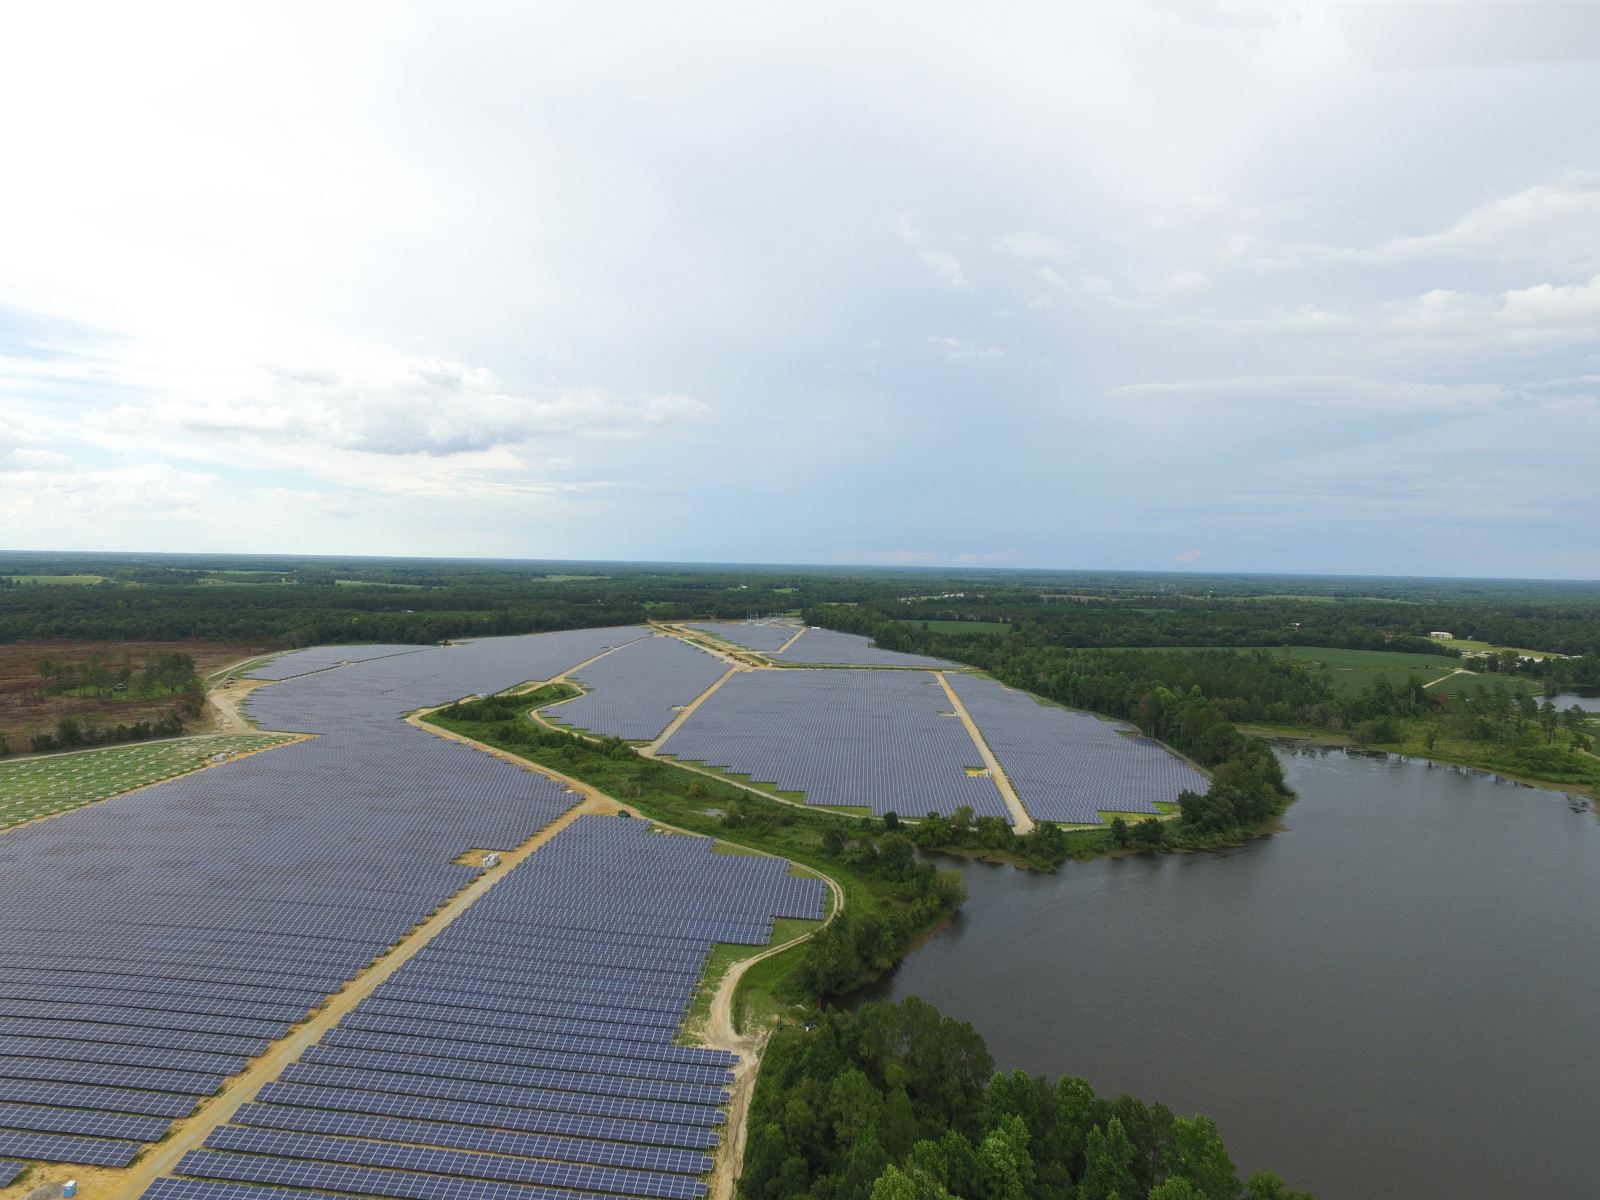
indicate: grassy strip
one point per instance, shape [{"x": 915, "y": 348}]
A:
[{"x": 549, "y": 693}]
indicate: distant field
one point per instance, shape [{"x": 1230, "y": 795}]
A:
[
  {"x": 1457, "y": 684},
  {"x": 962, "y": 628},
  {"x": 37, "y": 787},
  {"x": 375, "y": 583},
  {"x": 1468, "y": 646},
  {"x": 57, "y": 580},
  {"x": 1351, "y": 670}
]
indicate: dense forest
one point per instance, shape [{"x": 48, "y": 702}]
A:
[
  {"x": 896, "y": 1102},
  {"x": 301, "y": 601}
]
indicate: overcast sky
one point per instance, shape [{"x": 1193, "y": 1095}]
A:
[{"x": 1231, "y": 285}]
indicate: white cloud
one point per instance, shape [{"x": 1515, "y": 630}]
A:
[
  {"x": 417, "y": 406},
  {"x": 1027, "y": 245},
  {"x": 945, "y": 266},
  {"x": 1553, "y": 226},
  {"x": 1325, "y": 393},
  {"x": 1188, "y": 556},
  {"x": 965, "y": 350}
]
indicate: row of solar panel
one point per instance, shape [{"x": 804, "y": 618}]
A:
[
  {"x": 884, "y": 740},
  {"x": 1070, "y": 766},
  {"x": 471, "y": 1070},
  {"x": 154, "y": 942},
  {"x": 633, "y": 691}
]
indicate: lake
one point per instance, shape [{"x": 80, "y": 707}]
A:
[
  {"x": 1395, "y": 997},
  {"x": 1587, "y": 700}
]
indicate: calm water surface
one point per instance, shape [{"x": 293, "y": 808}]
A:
[
  {"x": 1396, "y": 997},
  {"x": 1587, "y": 700}
]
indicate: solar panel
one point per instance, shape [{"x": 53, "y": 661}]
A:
[
  {"x": 460, "y": 1164},
  {"x": 370, "y": 1181},
  {"x": 819, "y": 646},
  {"x": 1071, "y": 766},
  {"x": 882, "y": 740},
  {"x": 633, "y": 692},
  {"x": 51, "y": 1147},
  {"x": 469, "y": 1137},
  {"x": 753, "y": 635},
  {"x": 10, "y": 1171},
  {"x": 155, "y": 942},
  {"x": 42, "y": 1119}
]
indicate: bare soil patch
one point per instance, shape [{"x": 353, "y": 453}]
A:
[{"x": 26, "y": 710}]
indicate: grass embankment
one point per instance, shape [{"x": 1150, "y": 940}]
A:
[
  {"x": 1556, "y": 762},
  {"x": 39, "y": 787},
  {"x": 890, "y": 898}
]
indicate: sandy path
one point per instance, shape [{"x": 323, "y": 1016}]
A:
[
  {"x": 1021, "y": 822},
  {"x": 224, "y": 702},
  {"x": 688, "y": 711},
  {"x": 728, "y": 652},
  {"x": 1451, "y": 675},
  {"x": 783, "y": 649},
  {"x": 721, "y": 1034},
  {"x": 189, "y": 1133}
]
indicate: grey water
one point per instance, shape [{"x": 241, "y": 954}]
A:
[
  {"x": 1396, "y": 996},
  {"x": 1587, "y": 699}
]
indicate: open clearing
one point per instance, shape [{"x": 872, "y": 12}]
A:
[
  {"x": 961, "y": 628},
  {"x": 26, "y": 710}
]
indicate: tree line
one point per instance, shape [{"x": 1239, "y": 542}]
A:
[{"x": 897, "y": 1102}]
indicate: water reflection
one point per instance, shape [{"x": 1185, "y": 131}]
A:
[{"x": 1376, "y": 1002}]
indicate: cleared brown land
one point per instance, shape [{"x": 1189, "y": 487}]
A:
[{"x": 26, "y": 710}]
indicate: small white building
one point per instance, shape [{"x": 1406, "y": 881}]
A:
[{"x": 1443, "y": 635}]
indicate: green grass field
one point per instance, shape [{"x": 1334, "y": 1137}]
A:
[
  {"x": 58, "y": 580},
  {"x": 963, "y": 628},
  {"x": 1468, "y": 646},
  {"x": 1457, "y": 684},
  {"x": 1351, "y": 670},
  {"x": 37, "y": 787}
]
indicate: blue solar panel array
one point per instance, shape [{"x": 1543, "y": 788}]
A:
[
  {"x": 320, "y": 658},
  {"x": 528, "y": 1050},
  {"x": 156, "y": 941},
  {"x": 634, "y": 692},
  {"x": 827, "y": 646},
  {"x": 9, "y": 1171},
  {"x": 1069, "y": 766},
  {"x": 753, "y": 635},
  {"x": 871, "y": 738}
]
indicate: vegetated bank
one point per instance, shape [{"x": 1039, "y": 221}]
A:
[{"x": 895, "y": 1102}]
